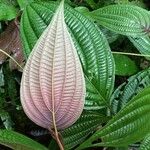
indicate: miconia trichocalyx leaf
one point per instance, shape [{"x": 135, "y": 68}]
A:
[{"x": 53, "y": 86}]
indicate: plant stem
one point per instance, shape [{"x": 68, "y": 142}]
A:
[
  {"x": 132, "y": 54},
  {"x": 10, "y": 58},
  {"x": 56, "y": 135}
]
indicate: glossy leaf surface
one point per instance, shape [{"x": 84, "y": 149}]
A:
[
  {"x": 86, "y": 124},
  {"x": 124, "y": 19},
  {"x": 126, "y": 91},
  {"x": 146, "y": 143},
  {"x": 125, "y": 128}
]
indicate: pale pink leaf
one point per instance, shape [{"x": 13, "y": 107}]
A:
[{"x": 53, "y": 86}]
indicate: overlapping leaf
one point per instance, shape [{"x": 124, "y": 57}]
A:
[
  {"x": 77, "y": 133},
  {"x": 125, "y": 92},
  {"x": 124, "y": 19},
  {"x": 7, "y": 12},
  {"x": 142, "y": 44},
  {"x": 146, "y": 143},
  {"x": 18, "y": 141},
  {"x": 10, "y": 43},
  {"x": 124, "y": 65},
  {"x": 92, "y": 47},
  {"x": 130, "y": 125}
]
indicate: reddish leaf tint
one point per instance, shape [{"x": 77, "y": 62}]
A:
[{"x": 11, "y": 44}]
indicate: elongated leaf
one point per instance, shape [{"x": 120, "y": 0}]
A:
[
  {"x": 91, "y": 45},
  {"x": 18, "y": 141},
  {"x": 130, "y": 125},
  {"x": 142, "y": 44},
  {"x": 78, "y": 132},
  {"x": 53, "y": 85},
  {"x": 146, "y": 143},
  {"x": 125, "y": 92},
  {"x": 124, "y": 19},
  {"x": 124, "y": 65}
]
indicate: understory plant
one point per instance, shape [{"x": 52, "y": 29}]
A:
[{"x": 77, "y": 86}]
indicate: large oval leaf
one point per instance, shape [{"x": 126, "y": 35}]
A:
[
  {"x": 124, "y": 19},
  {"x": 92, "y": 47},
  {"x": 53, "y": 87},
  {"x": 130, "y": 125}
]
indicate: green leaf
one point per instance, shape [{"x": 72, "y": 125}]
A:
[
  {"x": 130, "y": 125},
  {"x": 53, "y": 145},
  {"x": 94, "y": 100},
  {"x": 84, "y": 11},
  {"x": 6, "y": 119},
  {"x": 10, "y": 85},
  {"x": 111, "y": 36},
  {"x": 146, "y": 143},
  {"x": 91, "y": 45},
  {"x": 126, "y": 91},
  {"x": 24, "y": 3},
  {"x": 142, "y": 44},
  {"x": 124, "y": 65},
  {"x": 7, "y": 12},
  {"x": 78, "y": 132},
  {"x": 91, "y": 3},
  {"x": 124, "y": 19},
  {"x": 18, "y": 141}
]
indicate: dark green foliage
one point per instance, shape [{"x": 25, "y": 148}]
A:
[
  {"x": 130, "y": 125},
  {"x": 77, "y": 133},
  {"x": 126, "y": 91},
  {"x": 146, "y": 143},
  {"x": 124, "y": 65},
  {"x": 17, "y": 141},
  {"x": 115, "y": 119}
]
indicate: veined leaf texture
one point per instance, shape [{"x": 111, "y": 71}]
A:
[{"x": 53, "y": 86}]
